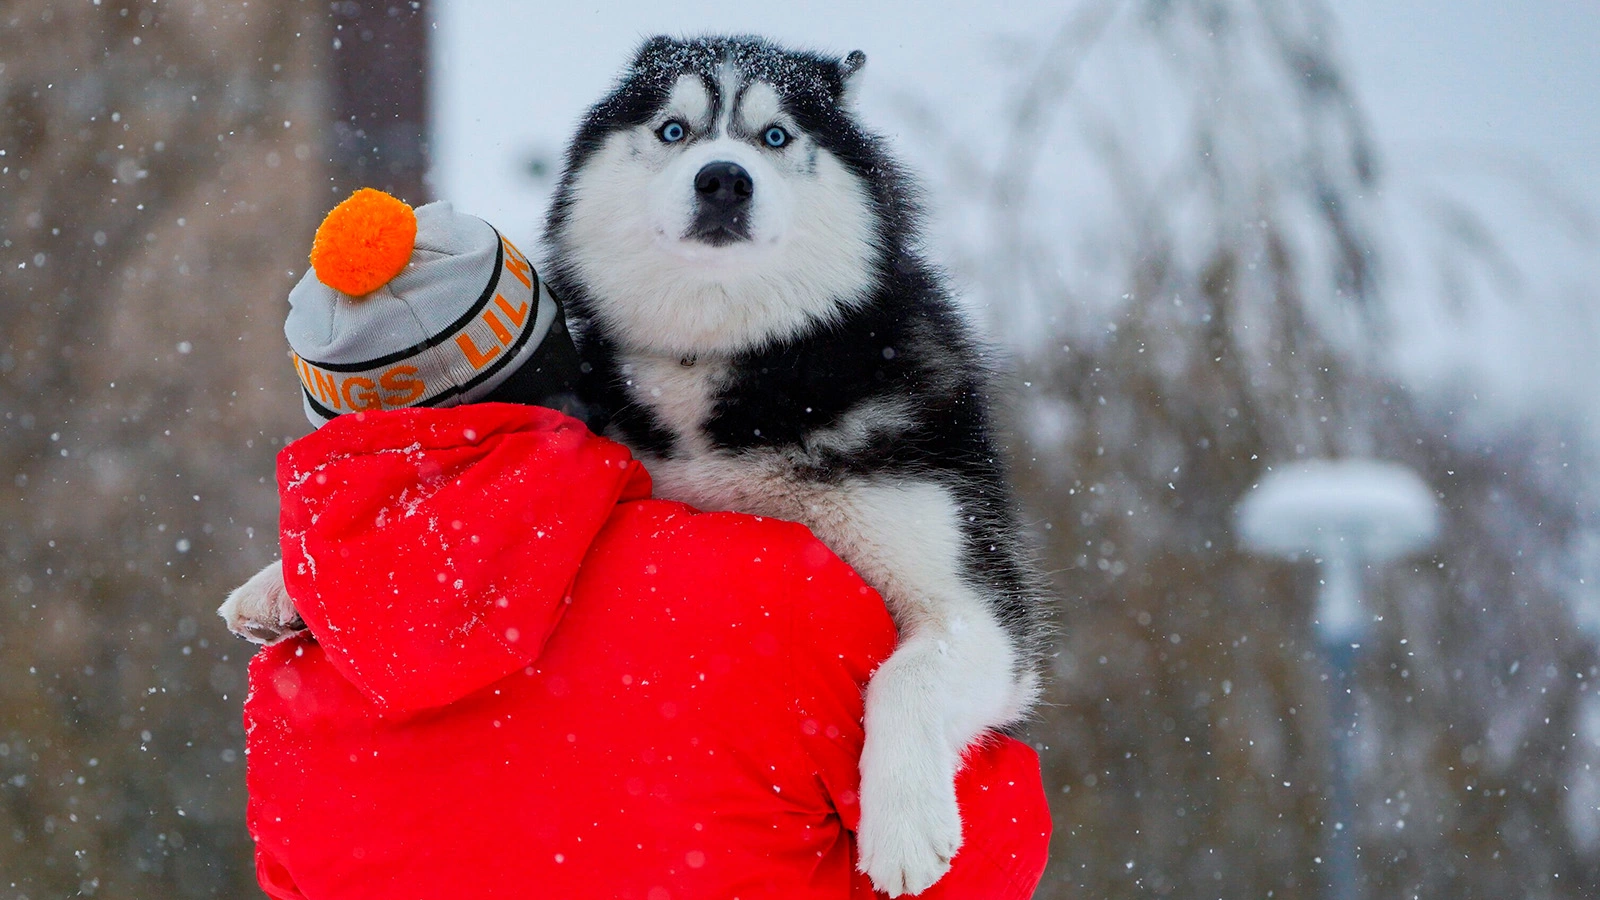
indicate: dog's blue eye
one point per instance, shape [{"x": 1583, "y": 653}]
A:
[
  {"x": 776, "y": 137},
  {"x": 672, "y": 132}
]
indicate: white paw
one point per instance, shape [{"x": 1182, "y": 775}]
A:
[
  {"x": 910, "y": 825},
  {"x": 260, "y": 609}
]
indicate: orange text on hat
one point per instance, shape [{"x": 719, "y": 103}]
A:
[{"x": 394, "y": 387}]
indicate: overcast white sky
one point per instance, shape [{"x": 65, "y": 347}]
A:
[
  {"x": 1467, "y": 96},
  {"x": 1437, "y": 77},
  {"x": 1486, "y": 75},
  {"x": 512, "y": 78}
]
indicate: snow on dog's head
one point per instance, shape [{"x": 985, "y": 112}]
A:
[{"x": 722, "y": 197}]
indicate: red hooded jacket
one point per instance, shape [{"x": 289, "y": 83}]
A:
[{"x": 530, "y": 680}]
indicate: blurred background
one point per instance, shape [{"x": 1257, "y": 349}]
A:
[{"x": 1216, "y": 239}]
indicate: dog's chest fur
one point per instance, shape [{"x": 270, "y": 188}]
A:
[
  {"x": 688, "y": 404},
  {"x": 680, "y": 393}
]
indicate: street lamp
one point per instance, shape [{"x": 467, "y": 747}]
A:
[{"x": 1346, "y": 515}]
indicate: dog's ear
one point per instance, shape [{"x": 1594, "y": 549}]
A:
[
  {"x": 851, "y": 64},
  {"x": 850, "y": 76},
  {"x": 652, "y": 46}
]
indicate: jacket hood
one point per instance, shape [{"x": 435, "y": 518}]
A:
[{"x": 431, "y": 551}]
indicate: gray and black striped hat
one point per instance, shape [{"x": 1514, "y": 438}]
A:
[{"x": 421, "y": 308}]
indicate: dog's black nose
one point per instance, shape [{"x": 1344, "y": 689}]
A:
[{"x": 724, "y": 184}]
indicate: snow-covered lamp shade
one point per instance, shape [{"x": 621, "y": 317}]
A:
[{"x": 1346, "y": 514}]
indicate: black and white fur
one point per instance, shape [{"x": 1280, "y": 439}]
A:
[
  {"x": 784, "y": 350},
  {"x": 768, "y": 339}
]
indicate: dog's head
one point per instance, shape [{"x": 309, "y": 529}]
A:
[{"x": 723, "y": 197}]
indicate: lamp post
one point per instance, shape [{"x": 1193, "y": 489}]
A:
[{"x": 1346, "y": 515}]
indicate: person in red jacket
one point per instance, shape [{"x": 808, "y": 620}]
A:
[{"x": 522, "y": 677}]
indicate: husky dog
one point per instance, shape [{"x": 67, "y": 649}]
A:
[{"x": 742, "y": 264}]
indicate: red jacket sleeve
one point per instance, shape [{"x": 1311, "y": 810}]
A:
[
  {"x": 274, "y": 879},
  {"x": 1005, "y": 822},
  {"x": 842, "y": 634}
]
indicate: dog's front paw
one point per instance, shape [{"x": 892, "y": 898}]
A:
[
  {"x": 260, "y": 609},
  {"x": 910, "y": 825}
]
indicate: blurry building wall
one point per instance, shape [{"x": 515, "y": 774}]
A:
[{"x": 162, "y": 168}]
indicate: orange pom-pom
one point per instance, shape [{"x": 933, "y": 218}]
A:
[{"x": 364, "y": 242}]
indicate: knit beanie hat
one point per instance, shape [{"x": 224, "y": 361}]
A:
[{"x": 424, "y": 307}]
